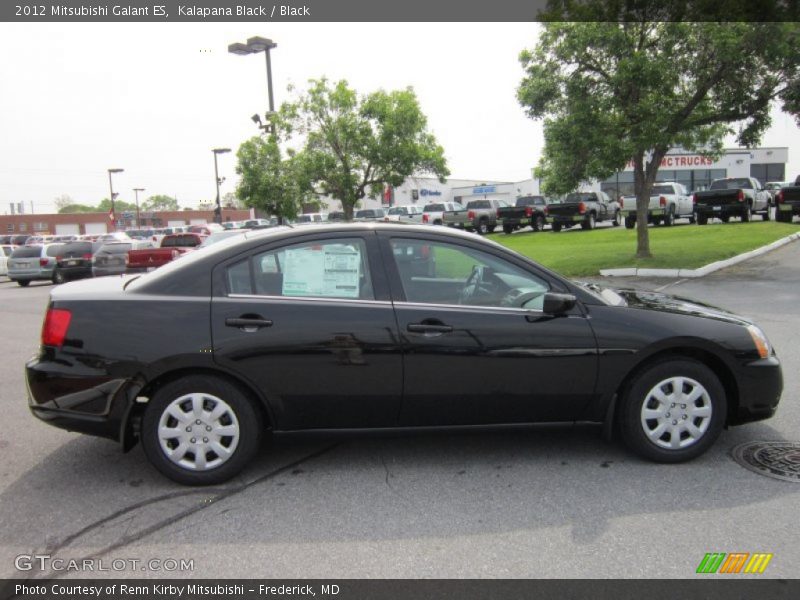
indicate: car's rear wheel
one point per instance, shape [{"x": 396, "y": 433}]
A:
[
  {"x": 23, "y": 282},
  {"x": 508, "y": 229},
  {"x": 483, "y": 227},
  {"x": 669, "y": 218},
  {"x": 58, "y": 277},
  {"x": 616, "y": 220},
  {"x": 201, "y": 430},
  {"x": 702, "y": 220},
  {"x": 538, "y": 223},
  {"x": 673, "y": 411},
  {"x": 556, "y": 227},
  {"x": 747, "y": 214},
  {"x": 725, "y": 218},
  {"x": 765, "y": 215},
  {"x": 630, "y": 222}
]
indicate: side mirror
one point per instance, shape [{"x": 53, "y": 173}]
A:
[{"x": 556, "y": 304}]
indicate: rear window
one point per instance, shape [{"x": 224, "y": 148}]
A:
[
  {"x": 55, "y": 249},
  {"x": 479, "y": 204},
  {"x": 27, "y": 252},
  {"x": 180, "y": 240},
  {"x": 577, "y": 197},
  {"x": 114, "y": 248},
  {"x": 77, "y": 248},
  {"x": 731, "y": 184},
  {"x": 530, "y": 201}
]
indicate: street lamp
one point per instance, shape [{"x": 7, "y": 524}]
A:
[
  {"x": 137, "y": 190},
  {"x": 113, "y": 196},
  {"x": 218, "y": 210},
  {"x": 255, "y": 45}
]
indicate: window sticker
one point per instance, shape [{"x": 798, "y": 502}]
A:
[{"x": 331, "y": 271}]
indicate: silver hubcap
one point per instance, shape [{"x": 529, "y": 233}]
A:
[
  {"x": 676, "y": 413},
  {"x": 198, "y": 432}
]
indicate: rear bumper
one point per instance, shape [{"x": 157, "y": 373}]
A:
[
  {"x": 760, "y": 388},
  {"x": 714, "y": 210},
  {"x": 77, "y": 398},
  {"x": 653, "y": 212},
  {"x": 514, "y": 221},
  {"x": 789, "y": 207},
  {"x": 570, "y": 219}
]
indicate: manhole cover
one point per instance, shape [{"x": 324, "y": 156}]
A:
[{"x": 780, "y": 460}]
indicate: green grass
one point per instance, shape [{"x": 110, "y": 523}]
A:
[{"x": 580, "y": 253}]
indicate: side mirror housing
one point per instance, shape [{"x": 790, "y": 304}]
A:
[{"x": 556, "y": 304}]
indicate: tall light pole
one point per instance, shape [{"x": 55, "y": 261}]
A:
[
  {"x": 136, "y": 191},
  {"x": 218, "y": 210},
  {"x": 113, "y": 196},
  {"x": 255, "y": 45}
]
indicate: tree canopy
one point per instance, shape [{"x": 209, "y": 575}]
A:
[
  {"x": 160, "y": 202},
  {"x": 103, "y": 206},
  {"x": 618, "y": 91},
  {"x": 344, "y": 145}
]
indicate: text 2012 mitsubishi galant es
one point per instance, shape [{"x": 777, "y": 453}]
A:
[{"x": 381, "y": 325}]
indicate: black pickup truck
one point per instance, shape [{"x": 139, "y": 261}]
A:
[
  {"x": 788, "y": 202},
  {"x": 583, "y": 208},
  {"x": 527, "y": 210},
  {"x": 732, "y": 197}
]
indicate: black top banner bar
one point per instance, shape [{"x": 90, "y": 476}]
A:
[{"x": 395, "y": 10}]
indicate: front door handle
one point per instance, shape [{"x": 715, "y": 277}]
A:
[
  {"x": 248, "y": 323},
  {"x": 428, "y": 328}
]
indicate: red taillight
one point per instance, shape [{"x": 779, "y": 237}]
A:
[
  {"x": 621, "y": 202},
  {"x": 694, "y": 198},
  {"x": 528, "y": 211},
  {"x": 741, "y": 196},
  {"x": 425, "y": 217},
  {"x": 470, "y": 214},
  {"x": 662, "y": 201},
  {"x": 176, "y": 254},
  {"x": 582, "y": 208},
  {"x": 546, "y": 210},
  {"x": 56, "y": 323},
  {"x": 87, "y": 256},
  {"x": 43, "y": 262},
  {"x": 779, "y": 197}
]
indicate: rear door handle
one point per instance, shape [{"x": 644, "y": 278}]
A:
[
  {"x": 248, "y": 324},
  {"x": 428, "y": 328}
]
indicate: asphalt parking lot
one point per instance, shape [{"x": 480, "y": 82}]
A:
[{"x": 526, "y": 502}]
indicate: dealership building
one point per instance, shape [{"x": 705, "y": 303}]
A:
[{"x": 696, "y": 172}]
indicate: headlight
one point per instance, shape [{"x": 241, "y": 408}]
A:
[{"x": 760, "y": 340}]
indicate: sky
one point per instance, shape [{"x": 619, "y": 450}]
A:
[{"x": 156, "y": 98}]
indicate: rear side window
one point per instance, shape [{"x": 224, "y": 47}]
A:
[
  {"x": 319, "y": 269},
  {"x": 26, "y": 252}
]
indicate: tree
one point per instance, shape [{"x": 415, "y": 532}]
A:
[
  {"x": 160, "y": 202},
  {"x": 612, "y": 92},
  {"x": 352, "y": 146},
  {"x": 268, "y": 181},
  {"x": 119, "y": 206},
  {"x": 76, "y": 208},
  {"x": 63, "y": 201}
]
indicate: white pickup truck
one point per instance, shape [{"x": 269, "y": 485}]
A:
[{"x": 668, "y": 201}]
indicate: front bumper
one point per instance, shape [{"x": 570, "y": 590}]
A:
[{"x": 760, "y": 388}]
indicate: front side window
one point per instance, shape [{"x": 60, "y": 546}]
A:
[
  {"x": 444, "y": 273},
  {"x": 335, "y": 268}
]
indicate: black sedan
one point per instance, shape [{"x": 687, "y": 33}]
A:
[{"x": 380, "y": 325}]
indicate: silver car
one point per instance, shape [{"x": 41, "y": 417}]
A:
[
  {"x": 31, "y": 263},
  {"x": 112, "y": 257}
]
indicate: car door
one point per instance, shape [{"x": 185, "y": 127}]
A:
[
  {"x": 309, "y": 322},
  {"x": 471, "y": 354}
]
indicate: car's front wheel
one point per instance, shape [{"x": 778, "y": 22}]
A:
[
  {"x": 673, "y": 411},
  {"x": 201, "y": 430}
]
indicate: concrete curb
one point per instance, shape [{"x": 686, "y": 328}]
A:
[{"x": 702, "y": 271}]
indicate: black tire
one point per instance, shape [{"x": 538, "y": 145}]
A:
[
  {"x": 725, "y": 218},
  {"x": 747, "y": 214},
  {"x": 556, "y": 227},
  {"x": 692, "y": 219},
  {"x": 702, "y": 220},
  {"x": 437, "y": 222},
  {"x": 589, "y": 223},
  {"x": 508, "y": 229},
  {"x": 630, "y": 222},
  {"x": 239, "y": 413},
  {"x": 23, "y": 282},
  {"x": 58, "y": 277},
  {"x": 669, "y": 218},
  {"x": 617, "y": 220},
  {"x": 483, "y": 227},
  {"x": 765, "y": 215},
  {"x": 706, "y": 414}
]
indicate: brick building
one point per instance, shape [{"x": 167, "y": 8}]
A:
[{"x": 80, "y": 223}]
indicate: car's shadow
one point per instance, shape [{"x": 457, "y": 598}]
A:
[{"x": 86, "y": 498}]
